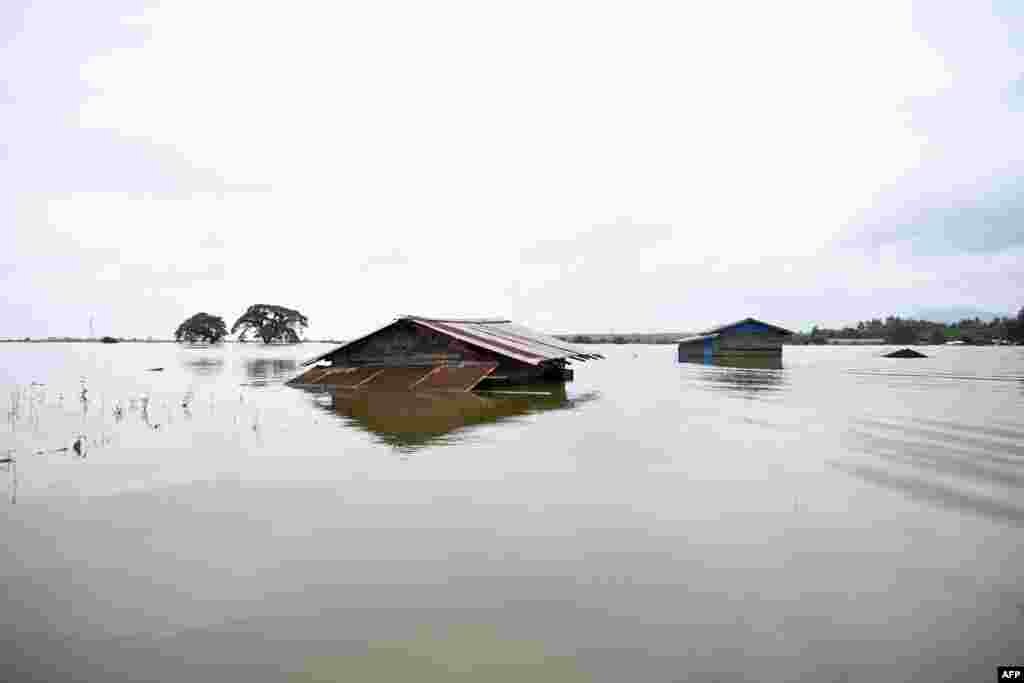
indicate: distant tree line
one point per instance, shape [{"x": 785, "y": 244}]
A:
[
  {"x": 611, "y": 338},
  {"x": 268, "y": 322},
  {"x": 891, "y": 330},
  {"x": 897, "y": 330}
]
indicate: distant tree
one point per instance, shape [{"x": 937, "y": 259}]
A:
[
  {"x": 937, "y": 336},
  {"x": 1015, "y": 328},
  {"x": 202, "y": 327},
  {"x": 270, "y": 323},
  {"x": 898, "y": 333}
]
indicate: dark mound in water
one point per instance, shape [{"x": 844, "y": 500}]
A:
[{"x": 905, "y": 353}]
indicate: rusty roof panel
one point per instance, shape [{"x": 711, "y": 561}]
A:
[
  {"x": 310, "y": 376},
  {"x": 396, "y": 379},
  {"x": 456, "y": 378},
  {"x": 347, "y": 377}
]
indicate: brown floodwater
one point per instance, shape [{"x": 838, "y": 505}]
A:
[{"x": 843, "y": 517}]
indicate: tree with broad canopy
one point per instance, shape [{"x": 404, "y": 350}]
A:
[
  {"x": 270, "y": 323},
  {"x": 202, "y": 327}
]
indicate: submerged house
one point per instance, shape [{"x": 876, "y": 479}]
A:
[
  {"x": 415, "y": 352},
  {"x": 748, "y": 338}
]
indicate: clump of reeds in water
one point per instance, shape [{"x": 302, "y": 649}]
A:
[
  {"x": 15, "y": 410},
  {"x": 24, "y": 405}
]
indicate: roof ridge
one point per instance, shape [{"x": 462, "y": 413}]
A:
[
  {"x": 748, "y": 319},
  {"x": 455, "y": 320}
]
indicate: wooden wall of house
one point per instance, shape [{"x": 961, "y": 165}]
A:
[
  {"x": 746, "y": 343},
  {"x": 406, "y": 343},
  {"x": 749, "y": 343},
  {"x": 691, "y": 351}
]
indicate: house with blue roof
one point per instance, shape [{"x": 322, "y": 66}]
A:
[{"x": 747, "y": 338}]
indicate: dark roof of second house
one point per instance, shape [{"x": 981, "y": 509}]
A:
[
  {"x": 494, "y": 334},
  {"x": 717, "y": 331}
]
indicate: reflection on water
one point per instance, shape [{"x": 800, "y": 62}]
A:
[
  {"x": 747, "y": 376},
  {"x": 263, "y": 371},
  {"x": 10, "y": 466},
  {"x": 747, "y": 362},
  {"x": 747, "y": 382},
  {"x": 410, "y": 420},
  {"x": 204, "y": 366}
]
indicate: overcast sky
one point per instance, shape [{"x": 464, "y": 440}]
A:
[{"x": 575, "y": 166}]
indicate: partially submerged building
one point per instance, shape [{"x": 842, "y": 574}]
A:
[
  {"x": 414, "y": 352},
  {"x": 743, "y": 339}
]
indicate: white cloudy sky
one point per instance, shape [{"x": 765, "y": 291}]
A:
[{"x": 577, "y": 166}]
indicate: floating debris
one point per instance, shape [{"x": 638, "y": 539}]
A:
[
  {"x": 905, "y": 353},
  {"x": 155, "y": 370},
  {"x": 63, "y": 449}
]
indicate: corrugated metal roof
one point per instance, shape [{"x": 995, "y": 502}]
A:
[
  {"x": 453, "y": 378},
  {"x": 495, "y": 334},
  {"x": 507, "y": 338},
  {"x": 349, "y": 378}
]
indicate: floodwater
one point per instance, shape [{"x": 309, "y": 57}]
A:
[{"x": 844, "y": 518}]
